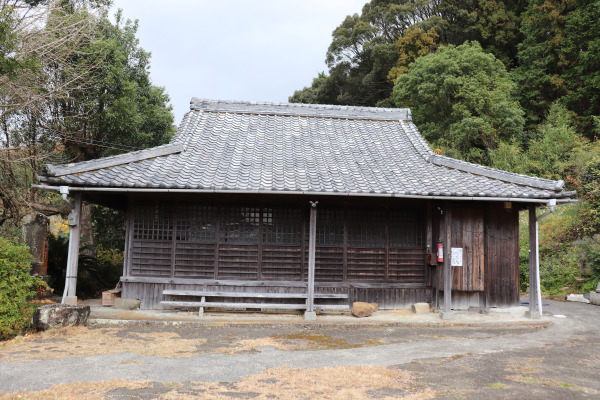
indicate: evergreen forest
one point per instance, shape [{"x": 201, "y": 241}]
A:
[{"x": 513, "y": 85}]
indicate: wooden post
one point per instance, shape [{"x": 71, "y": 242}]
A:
[
  {"x": 447, "y": 313},
  {"x": 312, "y": 240},
  {"x": 533, "y": 313},
  {"x": 74, "y": 219},
  {"x": 130, "y": 224},
  {"x": 174, "y": 217}
]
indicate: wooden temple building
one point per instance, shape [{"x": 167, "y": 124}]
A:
[{"x": 295, "y": 206}]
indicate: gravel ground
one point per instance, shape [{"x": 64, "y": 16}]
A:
[{"x": 467, "y": 358}]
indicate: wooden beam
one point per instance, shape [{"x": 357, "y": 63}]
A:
[
  {"x": 251, "y": 283},
  {"x": 312, "y": 241},
  {"x": 73, "y": 256},
  {"x": 205, "y": 293},
  {"x": 533, "y": 313}
]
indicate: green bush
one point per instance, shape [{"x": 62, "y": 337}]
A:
[
  {"x": 559, "y": 271},
  {"x": 569, "y": 256},
  {"x": 17, "y": 286}
]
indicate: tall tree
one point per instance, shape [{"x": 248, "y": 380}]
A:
[
  {"x": 560, "y": 58},
  {"x": 38, "y": 40},
  {"x": 371, "y": 49},
  {"x": 123, "y": 110},
  {"x": 461, "y": 98},
  {"x": 71, "y": 96}
]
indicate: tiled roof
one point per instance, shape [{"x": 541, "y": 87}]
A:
[{"x": 298, "y": 148}]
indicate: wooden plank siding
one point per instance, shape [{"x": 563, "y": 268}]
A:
[
  {"x": 468, "y": 234},
  {"x": 203, "y": 241},
  {"x": 502, "y": 256},
  {"x": 374, "y": 254}
]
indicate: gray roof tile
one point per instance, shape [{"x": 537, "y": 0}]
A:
[{"x": 262, "y": 147}]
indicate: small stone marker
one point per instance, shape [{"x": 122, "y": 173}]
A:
[
  {"x": 51, "y": 316},
  {"x": 420, "y": 308},
  {"x": 361, "y": 309},
  {"x": 127, "y": 304},
  {"x": 595, "y": 298}
]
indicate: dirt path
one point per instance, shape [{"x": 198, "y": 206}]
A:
[{"x": 559, "y": 361}]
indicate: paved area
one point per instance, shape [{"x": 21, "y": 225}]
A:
[{"x": 496, "y": 356}]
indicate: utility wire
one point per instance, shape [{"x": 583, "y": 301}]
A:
[{"x": 94, "y": 141}]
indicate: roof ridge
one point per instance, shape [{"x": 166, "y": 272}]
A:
[
  {"x": 494, "y": 173},
  {"x": 301, "y": 109},
  {"x": 418, "y": 141},
  {"x": 112, "y": 161}
]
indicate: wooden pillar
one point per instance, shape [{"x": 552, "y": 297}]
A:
[
  {"x": 174, "y": 216},
  {"x": 129, "y": 227},
  {"x": 312, "y": 241},
  {"x": 533, "y": 313},
  {"x": 431, "y": 273},
  {"x": 73, "y": 256},
  {"x": 447, "y": 314}
]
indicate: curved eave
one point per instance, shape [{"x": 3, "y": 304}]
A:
[{"x": 563, "y": 198}]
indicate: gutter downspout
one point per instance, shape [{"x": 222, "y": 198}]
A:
[{"x": 551, "y": 204}]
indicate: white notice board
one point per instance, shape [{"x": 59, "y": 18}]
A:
[{"x": 456, "y": 259}]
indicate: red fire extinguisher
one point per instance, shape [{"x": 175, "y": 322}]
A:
[{"x": 440, "y": 251}]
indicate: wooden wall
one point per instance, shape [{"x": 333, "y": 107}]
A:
[
  {"x": 502, "y": 256},
  {"x": 372, "y": 250},
  {"x": 489, "y": 236},
  {"x": 205, "y": 241},
  {"x": 468, "y": 234},
  {"x": 373, "y": 253}
]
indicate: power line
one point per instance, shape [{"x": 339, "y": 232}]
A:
[{"x": 94, "y": 142}]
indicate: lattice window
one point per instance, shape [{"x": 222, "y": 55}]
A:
[
  {"x": 196, "y": 223},
  {"x": 330, "y": 226},
  {"x": 366, "y": 227},
  {"x": 239, "y": 225},
  {"x": 282, "y": 225},
  {"x": 407, "y": 228},
  {"x": 153, "y": 221}
]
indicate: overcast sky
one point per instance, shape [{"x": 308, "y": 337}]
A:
[{"x": 259, "y": 50}]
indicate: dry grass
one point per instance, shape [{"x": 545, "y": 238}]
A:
[
  {"x": 295, "y": 342},
  {"x": 320, "y": 383},
  {"x": 343, "y": 383},
  {"x": 77, "y": 390},
  {"x": 524, "y": 367},
  {"x": 82, "y": 342}
]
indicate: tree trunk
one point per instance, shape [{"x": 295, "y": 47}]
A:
[{"x": 87, "y": 236}]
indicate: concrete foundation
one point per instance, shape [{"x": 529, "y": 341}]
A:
[{"x": 310, "y": 315}]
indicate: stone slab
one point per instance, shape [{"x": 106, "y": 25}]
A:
[
  {"x": 127, "y": 304},
  {"x": 578, "y": 298},
  {"x": 595, "y": 298},
  {"x": 446, "y": 315},
  {"x": 51, "y": 316},
  {"x": 361, "y": 309},
  {"x": 420, "y": 308}
]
